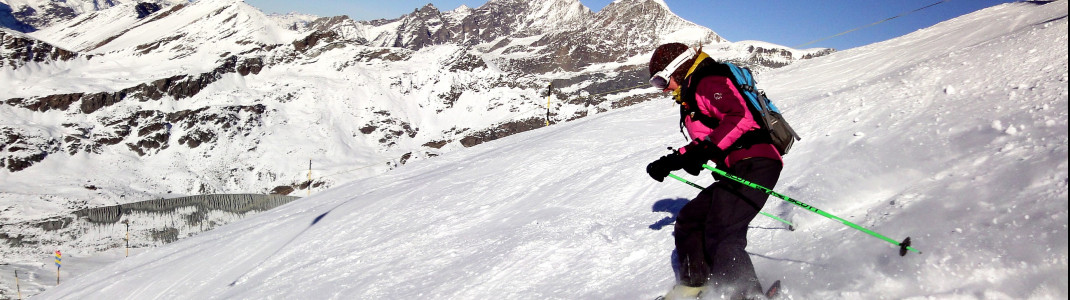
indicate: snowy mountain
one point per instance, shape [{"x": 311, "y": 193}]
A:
[
  {"x": 201, "y": 34},
  {"x": 214, "y": 96},
  {"x": 551, "y": 35},
  {"x": 954, "y": 135},
  {"x": 31, "y": 15},
  {"x": 294, "y": 21},
  {"x": 496, "y": 19}
]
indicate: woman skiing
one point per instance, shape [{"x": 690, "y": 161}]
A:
[{"x": 711, "y": 230}]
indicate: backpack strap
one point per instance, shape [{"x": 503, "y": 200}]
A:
[{"x": 744, "y": 81}]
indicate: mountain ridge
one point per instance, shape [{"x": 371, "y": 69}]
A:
[
  {"x": 31, "y": 15},
  {"x": 176, "y": 93}
]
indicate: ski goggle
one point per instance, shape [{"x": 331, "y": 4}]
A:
[{"x": 660, "y": 79}]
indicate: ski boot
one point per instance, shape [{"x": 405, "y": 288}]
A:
[{"x": 681, "y": 292}]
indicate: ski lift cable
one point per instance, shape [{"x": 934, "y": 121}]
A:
[{"x": 869, "y": 25}]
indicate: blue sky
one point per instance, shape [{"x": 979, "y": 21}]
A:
[{"x": 786, "y": 22}]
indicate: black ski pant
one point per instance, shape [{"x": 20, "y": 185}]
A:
[{"x": 711, "y": 230}]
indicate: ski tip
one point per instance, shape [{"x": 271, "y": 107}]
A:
[
  {"x": 774, "y": 290},
  {"x": 903, "y": 247},
  {"x": 791, "y": 227}
]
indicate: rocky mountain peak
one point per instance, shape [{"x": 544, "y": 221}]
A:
[
  {"x": 496, "y": 19},
  {"x": 462, "y": 9},
  {"x": 423, "y": 27},
  {"x": 654, "y": 19},
  {"x": 427, "y": 8},
  {"x": 537, "y": 16}
]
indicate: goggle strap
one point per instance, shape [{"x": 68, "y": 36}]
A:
[{"x": 676, "y": 63}]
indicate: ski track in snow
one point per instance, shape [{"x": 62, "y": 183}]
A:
[{"x": 961, "y": 147}]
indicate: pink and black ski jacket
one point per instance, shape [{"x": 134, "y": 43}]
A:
[{"x": 716, "y": 98}]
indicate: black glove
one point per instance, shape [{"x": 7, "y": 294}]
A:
[
  {"x": 698, "y": 153},
  {"x": 661, "y": 168},
  {"x": 693, "y": 161}
]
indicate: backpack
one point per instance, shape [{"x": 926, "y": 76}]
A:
[
  {"x": 781, "y": 134},
  {"x": 773, "y": 128}
]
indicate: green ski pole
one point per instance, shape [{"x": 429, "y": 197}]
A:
[
  {"x": 790, "y": 225},
  {"x": 903, "y": 246}
]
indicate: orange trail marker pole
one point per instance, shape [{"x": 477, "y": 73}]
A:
[{"x": 17, "y": 288}]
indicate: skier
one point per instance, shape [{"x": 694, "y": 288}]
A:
[{"x": 711, "y": 230}]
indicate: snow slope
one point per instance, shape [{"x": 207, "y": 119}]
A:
[{"x": 962, "y": 147}]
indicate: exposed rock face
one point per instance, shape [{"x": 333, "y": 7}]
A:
[
  {"x": 143, "y": 132},
  {"x": 502, "y": 130},
  {"x": 21, "y": 147},
  {"x": 177, "y": 87},
  {"x": 393, "y": 128},
  {"x": 144, "y": 9},
  {"x": 202, "y": 126},
  {"x": 16, "y": 50}
]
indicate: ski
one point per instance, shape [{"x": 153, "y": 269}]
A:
[
  {"x": 774, "y": 290},
  {"x": 772, "y": 293}
]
